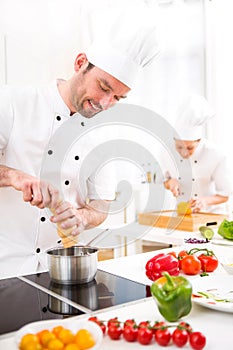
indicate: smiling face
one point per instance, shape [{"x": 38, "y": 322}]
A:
[
  {"x": 186, "y": 148},
  {"x": 92, "y": 90}
]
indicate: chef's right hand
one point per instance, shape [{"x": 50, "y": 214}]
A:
[
  {"x": 39, "y": 193},
  {"x": 174, "y": 186}
]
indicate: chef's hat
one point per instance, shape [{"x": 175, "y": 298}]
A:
[
  {"x": 129, "y": 44},
  {"x": 192, "y": 115}
]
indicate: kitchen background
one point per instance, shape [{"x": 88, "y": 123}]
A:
[{"x": 39, "y": 41}]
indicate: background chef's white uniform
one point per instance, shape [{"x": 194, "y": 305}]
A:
[
  {"x": 28, "y": 119},
  {"x": 210, "y": 176},
  {"x": 210, "y": 173}
]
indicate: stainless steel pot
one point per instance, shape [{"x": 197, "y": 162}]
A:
[{"x": 75, "y": 265}]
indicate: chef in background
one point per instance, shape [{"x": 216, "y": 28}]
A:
[
  {"x": 211, "y": 181},
  {"x": 103, "y": 74}
]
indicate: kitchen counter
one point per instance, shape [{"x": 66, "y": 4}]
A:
[{"x": 216, "y": 325}]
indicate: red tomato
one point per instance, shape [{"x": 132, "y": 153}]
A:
[
  {"x": 197, "y": 340},
  {"x": 186, "y": 326},
  {"x": 209, "y": 263},
  {"x": 191, "y": 265},
  {"x": 145, "y": 335},
  {"x": 180, "y": 337},
  {"x": 130, "y": 333},
  {"x": 181, "y": 255},
  {"x": 157, "y": 325},
  {"x": 113, "y": 321},
  {"x": 99, "y": 322},
  {"x": 114, "y": 331},
  {"x": 163, "y": 336},
  {"x": 129, "y": 322},
  {"x": 173, "y": 254},
  {"x": 144, "y": 324}
]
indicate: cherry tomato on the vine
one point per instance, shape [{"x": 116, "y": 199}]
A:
[
  {"x": 144, "y": 324},
  {"x": 186, "y": 326},
  {"x": 180, "y": 337},
  {"x": 130, "y": 333},
  {"x": 113, "y": 321},
  {"x": 197, "y": 340},
  {"x": 163, "y": 336},
  {"x": 209, "y": 263},
  {"x": 114, "y": 331},
  {"x": 191, "y": 265},
  {"x": 157, "y": 325},
  {"x": 145, "y": 335},
  {"x": 99, "y": 322},
  {"x": 130, "y": 322}
]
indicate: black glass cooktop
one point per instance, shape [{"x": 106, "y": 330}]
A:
[{"x": 36, "y": 297}]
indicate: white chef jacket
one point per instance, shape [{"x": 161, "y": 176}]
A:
[
  {"x": 209, "y": 176},
  {"x": 28, "y": 119}
]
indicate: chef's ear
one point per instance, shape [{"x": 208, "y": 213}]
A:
[{"x": 80, "y": 61}]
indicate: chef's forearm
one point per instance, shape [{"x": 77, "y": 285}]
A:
[
  {"x": 94, "y": 213},
  {"x": 216, "y": 199},
  {"x": 5, "y": 176}
]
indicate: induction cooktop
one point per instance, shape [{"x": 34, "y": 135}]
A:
[{"x": 35, "y": 297}]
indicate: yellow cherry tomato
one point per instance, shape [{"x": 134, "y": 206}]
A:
[
  {"x": 32, "y": 346},
  {"x": 56, "y": 330},
  {"x": 84, "y": 339},
  {"x": 29, "y": 337},
  {"x": 55, "y": 344},
  {"x": 66, "y": 336},
  {"x": 45, "y": 336},
  {"x": 72, "y": 346}
]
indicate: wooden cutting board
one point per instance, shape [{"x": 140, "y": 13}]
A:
[{"x": 171, "y": 220}]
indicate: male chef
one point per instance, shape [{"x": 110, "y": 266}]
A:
[{"x": 29, "y": 117}]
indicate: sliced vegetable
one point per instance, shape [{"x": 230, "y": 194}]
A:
[
  {"x": 161, "y": 263},
  {"x": 173, "y": 296},
  {"x": 226, "y": 229},
  {"x": 206, "y": 232}
]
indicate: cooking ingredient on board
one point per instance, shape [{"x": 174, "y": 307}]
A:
[
  {"x": 226, "y": 229},
  {"x": 173, "y": 296},
  {"x": 145, "y": 332},
  {"x": 59, "y": 338},
  {"x": 207, "y": 232},
  {"x": 183, "y": 208},
  {"x": 160, "y": 263}
]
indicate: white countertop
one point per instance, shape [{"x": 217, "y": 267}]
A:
[{"x": 216, "y": 325}]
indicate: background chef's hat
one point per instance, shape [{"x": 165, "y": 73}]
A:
[
  {"x": 126, "y": 43},
  {"x": 192, "y": 115}
]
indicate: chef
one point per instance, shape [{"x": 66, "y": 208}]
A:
[
  {"x": 209, "y": 179},
  {"x": 29, "y": 117}
]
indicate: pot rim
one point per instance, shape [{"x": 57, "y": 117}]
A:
[{"x": 50, "y": 251}]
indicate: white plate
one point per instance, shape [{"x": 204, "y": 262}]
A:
[
  {"x": 72, "y": 324},
  {"x": 219, "y": 289}
]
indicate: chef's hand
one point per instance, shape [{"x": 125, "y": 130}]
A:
[
  {"x": 76, "y": 220},
  {"x": 197, "y": 204},
  {"x": 173, "y": 185},
  {"x": 69, "y": 218},
  {"x": 39, "y": 193}
]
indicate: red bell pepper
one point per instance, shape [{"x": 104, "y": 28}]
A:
[{"x": 161, "y": 263}]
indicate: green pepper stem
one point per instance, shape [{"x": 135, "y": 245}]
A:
[{"x": 170, "y": 281}]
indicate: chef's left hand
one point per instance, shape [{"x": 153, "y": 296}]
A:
[
  {"x": 69, "y": 218},
  {"x": 197, "y": 204}
]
